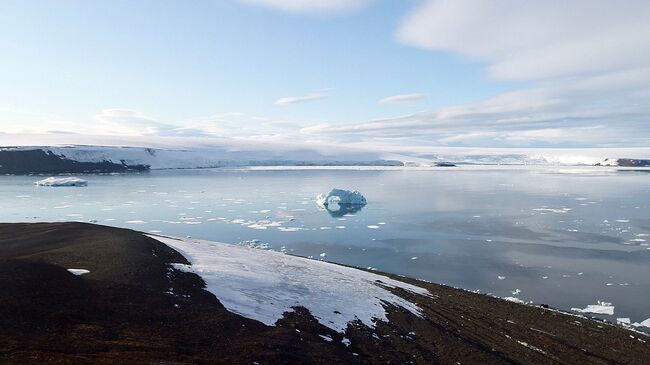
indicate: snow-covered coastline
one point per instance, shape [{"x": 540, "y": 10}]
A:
[
  {"x": 263, "y": 285},
  {"x": 195, "y": 152}
]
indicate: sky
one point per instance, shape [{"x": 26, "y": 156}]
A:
[{"x": 373, "y": 73}]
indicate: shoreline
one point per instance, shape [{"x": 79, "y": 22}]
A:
[{"x": 133, "y": 305}]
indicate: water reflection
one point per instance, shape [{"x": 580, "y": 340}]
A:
[{"x": 339, "y": 210}]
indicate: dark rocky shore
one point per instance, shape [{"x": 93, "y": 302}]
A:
[
  {"x": 121, "y": 312},
  {"x": 38, "y": 161}
]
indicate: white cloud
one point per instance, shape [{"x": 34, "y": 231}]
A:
[
  {"x": 587, "y": 64},
  {"x": 310, "y": 6},
  {"x": 402, "y": 99},
  {"x": 535, "y": 39},
  {"x": 300, "y": 99},
  {"x": 130, "y": 122},
  {"x": 610, "y": 109}
]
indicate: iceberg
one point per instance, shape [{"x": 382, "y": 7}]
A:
[
  {"x": 62, "y": 181},
  {"x": 340, "y": 197},
  {"x": 339, "y": 202}
]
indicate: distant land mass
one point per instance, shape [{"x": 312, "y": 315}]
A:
[
  {"x": 40, "y": 161},
  {"x": 47, "y": 154},
  {"x": 631, "y": 162}
]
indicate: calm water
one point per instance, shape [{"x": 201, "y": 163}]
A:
[{"x": 565, "y": 237}]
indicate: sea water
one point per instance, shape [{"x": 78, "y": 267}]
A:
[{"x": 566, "y": 237}]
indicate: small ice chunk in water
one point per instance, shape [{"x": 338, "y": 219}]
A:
[
  {"x": 79, "y": 271},
  {"x": 501, "y": 277},
  {"x": 645, "y": 323},
  {"x": 600, "y": 308},
  {"x": 62, "y": 181},
  {"x": 623, "y": 320}
]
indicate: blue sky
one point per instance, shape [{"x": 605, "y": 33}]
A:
[{"x": 219, "y": 67}]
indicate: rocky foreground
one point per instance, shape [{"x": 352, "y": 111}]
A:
[{"x": 134, "y": 307}]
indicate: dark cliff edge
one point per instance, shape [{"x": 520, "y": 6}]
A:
[
  {"x": 38, "y": 161},
  {"x": 630, "y": 162},
  {"x": 133, "y": 307},
  {"x": 625, "y": 162}
]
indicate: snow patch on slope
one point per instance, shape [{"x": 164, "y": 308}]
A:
[{"x": 262, "y": 285}]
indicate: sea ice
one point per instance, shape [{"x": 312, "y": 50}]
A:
[
  {"x": 513, "y": 299},
  {"x": 552, "y": 210},
  {"x": 600, "y": 308},
  {"x": 262, "y": 285},
  {"x": 290, "y": 229},
  {"x": 62, "y": 181},
  {"x": 645, "y": 323}
]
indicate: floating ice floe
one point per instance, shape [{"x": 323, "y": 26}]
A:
[
  {"x": 600, "y": 308},
  {"x": 339, "y": 202},
  {"x": 263, "y": 285},
  {"x": 645, "y": 323},
  {"x": 79, "y": 271},
  {"x": 290, "y": 229},
  {"x": 552, "y": 210},
  {"x": 62, "y": 181},
  {"x": 513, "y": 299}
]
